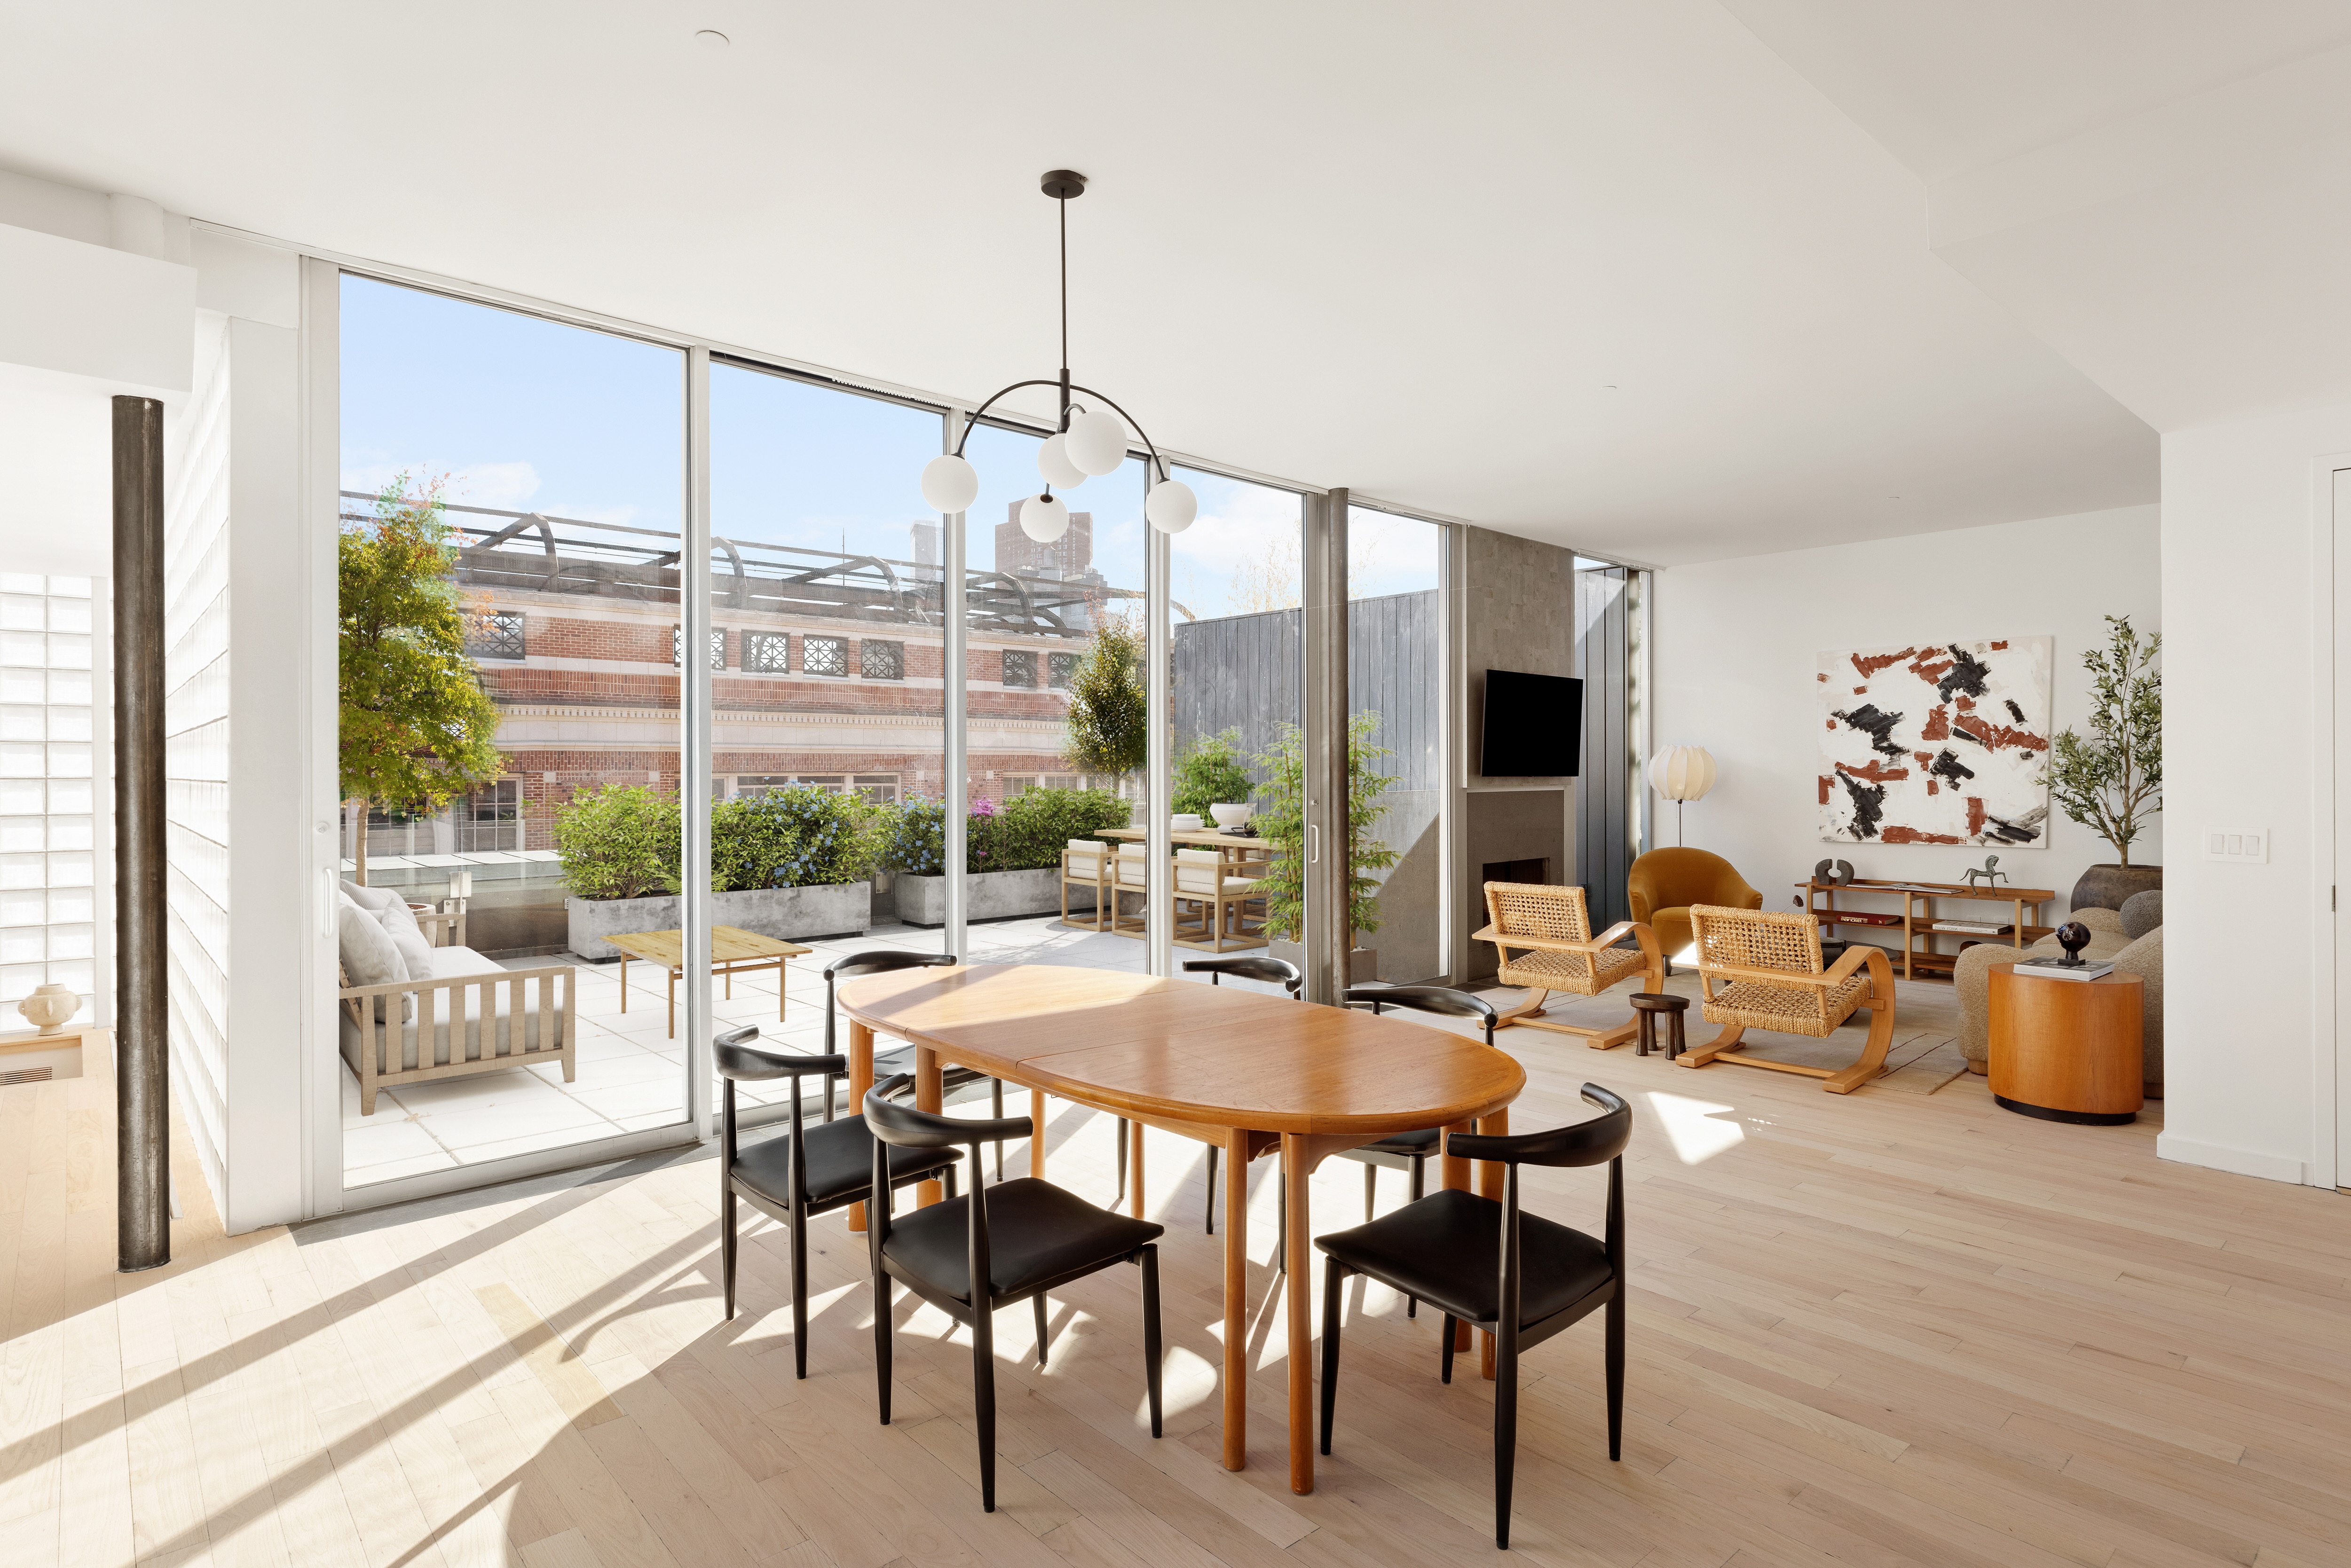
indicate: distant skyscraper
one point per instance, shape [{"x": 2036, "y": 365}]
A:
[
  {"x": 926, "y": 552},
  {"x": 1066, "y": 558}
]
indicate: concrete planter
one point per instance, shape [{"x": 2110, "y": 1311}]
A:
[
  {"x": 993, "y": 894},
  {"x": 788, "y": 913}
]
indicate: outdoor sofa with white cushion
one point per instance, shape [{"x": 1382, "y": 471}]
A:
[{"x": 412, "y": 1011}]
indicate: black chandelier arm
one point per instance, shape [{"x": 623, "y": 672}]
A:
[
  {"x": 971, "y": 420},
  {"x": 1134, "y": 425}
]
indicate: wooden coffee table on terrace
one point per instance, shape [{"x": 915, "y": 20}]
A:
[{"x": 732, "y": 951}]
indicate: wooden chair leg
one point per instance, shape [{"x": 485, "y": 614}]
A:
[
  {"x": 1371, "y": 1188},
  {"x": 1615, "y": 1354},
  {"x": 1726, "y": 1040},
  {"x": 1444, "y": 1354},
  {"x": 1413, "y": 1192},
  {"x": 1038, "y": 1301},
  {"x": 800, "y": 1293},
  {"x": 882, "y": 1344},
  {"x": 1333, "y": 1276},
  {"x": 983, "y": 1395},
  {"x": 726, "y": 1239},
  {"x": 1210, "y": 1216},
  {"x": 1152, "y": 1354},
  {"x": 1505, "y": 1434},
  {"x": 1530, "y": 1007},
  {"x": 1873, "y": 1052}
]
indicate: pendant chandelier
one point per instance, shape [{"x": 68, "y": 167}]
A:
[{"x": 1087, "y": 440}]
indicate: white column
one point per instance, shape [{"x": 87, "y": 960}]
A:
[
  {"x": 694, "y": 737},
  {"x": 954, "y": 829}
]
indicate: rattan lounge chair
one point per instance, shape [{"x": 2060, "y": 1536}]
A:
[
  {"x": 1769, "y": 969},
  {"x": 1549, "y": 929}
]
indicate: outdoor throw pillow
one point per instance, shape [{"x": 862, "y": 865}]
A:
[{"x": 367, "y": 954}]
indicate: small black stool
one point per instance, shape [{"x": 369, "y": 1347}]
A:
[{"x": 1648, "y": 1005}]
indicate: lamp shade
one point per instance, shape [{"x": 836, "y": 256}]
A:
[
  {"x": 1171, "y": 506},
  {"x": 1044, "y": 518},
  {"x": 1097, "y": 440},
  {"x": 1682, "y": 772},
  {"x": 949, "y": 484},
  {"x": 1053, "y": 463}
]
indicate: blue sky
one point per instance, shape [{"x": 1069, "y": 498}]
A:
[{"x": 527, "y": 414}]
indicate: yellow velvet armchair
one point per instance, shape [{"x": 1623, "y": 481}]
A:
[{"x": 1664, "y": 884}]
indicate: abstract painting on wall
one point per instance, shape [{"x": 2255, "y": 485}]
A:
[{"x": 1937, "y": 743}]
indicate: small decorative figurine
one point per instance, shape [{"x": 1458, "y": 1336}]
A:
[
  {"x": 1834, "y": 874},
  {"x": 51, "y": 1007},
  {"x": 2072, "y": 936},
  {"x": 1990, "y": 872}
]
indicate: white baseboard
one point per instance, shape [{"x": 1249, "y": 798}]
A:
[{"x": 2221, "y": 1157}]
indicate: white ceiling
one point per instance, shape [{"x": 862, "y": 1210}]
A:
[
  {"x": 2155, "y": 188},
  {"x": 1610, "y": 275}
]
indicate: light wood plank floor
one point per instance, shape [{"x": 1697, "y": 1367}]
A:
[{"x": 1887, "y": 1329}]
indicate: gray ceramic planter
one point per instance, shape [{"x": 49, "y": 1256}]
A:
[
  {"x": 786, "y": 914},
  {"x": 2106, "y": 886}
]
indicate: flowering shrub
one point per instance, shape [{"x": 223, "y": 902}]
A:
[
  {"x": 800, "y": 836},
  {"x": 1026, "y": 834},
  {"x": 620, "y": 842}
]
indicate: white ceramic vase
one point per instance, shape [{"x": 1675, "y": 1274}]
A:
[
  {"x": 1232, "y": 816},
  {"x": 51, "y": 1007}
]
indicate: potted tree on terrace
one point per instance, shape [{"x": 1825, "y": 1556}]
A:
[
  {"x": 1109, "y": 716},
  {"x": 1283, "y": 824},
  {"x": 416, "y": 729},
  {"x": 2113, "y": 783}
]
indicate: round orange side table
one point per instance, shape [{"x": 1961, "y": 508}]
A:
[{"x": 2068, "y": 1050}]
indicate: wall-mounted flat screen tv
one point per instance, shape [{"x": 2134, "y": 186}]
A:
[{"x": 1534, "y": 725}]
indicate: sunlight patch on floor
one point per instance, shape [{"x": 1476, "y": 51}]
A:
[{"x": 1690, "y": 1126}]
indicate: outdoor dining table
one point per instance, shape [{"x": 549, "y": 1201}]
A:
[{"x": 1242, "y": 1069}]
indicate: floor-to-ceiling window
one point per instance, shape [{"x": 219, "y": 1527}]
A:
[
  {"x": 827, "y": 759},
  {"x": 1395, "y": 675},
  {"x": 1610, "y": 794},
  {"x": 1054, "y": 704},
  {"x": 1238, "y": 644},
  {"x": 509, "y": 615},
  {"x": 52, "y": 780}
]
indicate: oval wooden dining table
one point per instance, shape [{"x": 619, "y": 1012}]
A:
[{"x": 1242, "y": 1069}]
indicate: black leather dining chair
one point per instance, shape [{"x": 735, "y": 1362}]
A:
[
  {"x": 993, "y": 1248},
  {"x": 881, "y": 961},
  {"x": 807, "y": 1172},
  {"x": 1520, "y": 1276}
]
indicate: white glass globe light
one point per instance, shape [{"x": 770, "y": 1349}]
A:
[
  {"x": 1053, "y": 463},
  {"x": 1171, "y": 506},
  {"x": 1097, "y": 440},
  {"x": 1044, "y": 518},
  {"x": 949, "y": 484}
]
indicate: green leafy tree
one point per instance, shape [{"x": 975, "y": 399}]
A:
[
  {"x": 416, "y": 727},
  {"x": 1282, "y": 822},
  {"x": 1210, "y": 771},
  {"x": 2113, "y": 781},
  {"x": 619, "y": 841},
  {"x": 1109, "y": 728}
]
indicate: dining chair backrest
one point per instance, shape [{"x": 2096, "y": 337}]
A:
[
  {"x": 1602, "y": 1139},
  {"x": 1131, "y": 865},
  {"x": 1086, "y": 857},
  {"x": 1199, "y": 870},
  {"x": 878, "y": 961},
  {"x": 1442, "y": 1000},
  {"x": 739, "y": 1062},
  {"x": 895, "y": 1124},
  {"x": 1272, "y": 971}
]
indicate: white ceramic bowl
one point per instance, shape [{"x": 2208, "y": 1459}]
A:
[
  {"x": 1185, "y": 822},
  {"x": 1230, "y": 816}
]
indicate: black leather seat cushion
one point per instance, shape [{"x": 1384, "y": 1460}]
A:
[
  {"x": 1447, "y": 1249},
  {"x": 840, "y": 1163},
  {"x": 1421, "y": 1143},
  {"x": 1035, "y": 1231}
]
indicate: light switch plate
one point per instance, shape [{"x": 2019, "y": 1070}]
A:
[{"x": 2244, "y": 846}]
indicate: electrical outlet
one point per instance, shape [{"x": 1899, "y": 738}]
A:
[{"x": 2241, "y": 846}]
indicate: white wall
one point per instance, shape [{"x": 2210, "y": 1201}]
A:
[
  {"x": 2244, "y": 506},
  {"x": 1735, "y": 648}
]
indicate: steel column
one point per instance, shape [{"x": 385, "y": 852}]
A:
[
  {"x": 1158, "y": 669},
  {"x": 694, "y": 738},
  {"x": 142, "y": 1167},
  {"x": 955, "y": 825},
  {"x": 1327, "y": 936}
]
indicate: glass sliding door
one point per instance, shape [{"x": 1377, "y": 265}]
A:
[
  {"x": 1610, "y": 793},
  {"x": 828, "y": 751},
  {"x": 1395, "y": 572},
  {"x": 509, "y": 571},
  {"x": 1237, "y": 649}
]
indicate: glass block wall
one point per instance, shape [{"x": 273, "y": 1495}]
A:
[{"x": 49, "y": 783}]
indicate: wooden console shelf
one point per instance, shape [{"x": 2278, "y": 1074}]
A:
[{"x": 1919, "y": 918}]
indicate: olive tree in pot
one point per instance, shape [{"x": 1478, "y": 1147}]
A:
[
  {"x": 2113, "y": 781},
  {"x": 1282, "y": 822}
]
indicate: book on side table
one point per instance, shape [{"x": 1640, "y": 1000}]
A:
[{"x": 2055, "y": 968}]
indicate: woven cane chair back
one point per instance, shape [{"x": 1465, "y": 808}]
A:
[
  {"x": 1759, "y": 939},
  {"x": 1555, "y": 914}
]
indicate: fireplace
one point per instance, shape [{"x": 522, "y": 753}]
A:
[{"x": 1537, "y": 869}]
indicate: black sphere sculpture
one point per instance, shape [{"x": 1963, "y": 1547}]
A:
[{"x": 2072, "y": 936}]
